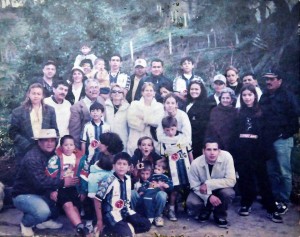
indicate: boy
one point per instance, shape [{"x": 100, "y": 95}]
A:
[
  {"x": 143, "y": 174},
  {"x": 87, "y": 66},
  {"x": 112, "y": 202},
  {"x": 179, "y": 157},
  {"x": 86, "y": 54},
  {"x": 181, "y": 82},
  {"x": 92, "y": 132}
]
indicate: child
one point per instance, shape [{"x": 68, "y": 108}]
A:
[
  {"x": 112, "y": 202},
  {"x": 87, "y": 66},
  {"x": 68, "y": 163},
  {"x": 144, "y": 172},
  {"x": 145, "y": 151},
  {"x": 100, "y": 73},
  {"x": 181, "y": 82},
  {"x": 86, "y": 54},
  {"x": 92, "y": 132},
  {"x": 179, "y": 157}
]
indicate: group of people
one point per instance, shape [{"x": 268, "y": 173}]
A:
[{"x": 118, "y": 151}]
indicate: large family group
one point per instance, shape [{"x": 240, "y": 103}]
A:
[{"x": 116, "y": 152}]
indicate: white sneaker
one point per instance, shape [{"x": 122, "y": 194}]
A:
[
  {"x": 51, "y": 224},
  {"x": 26, "y": 231}
]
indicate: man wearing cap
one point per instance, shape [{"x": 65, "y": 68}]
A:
[
  {"x": 80, "y": 111},
  {"x": 49, "y": 72},
  {"x": 32, "y": 186},
  {"x": 156, "y": 77},
  {"x": 140, "y": 67},
  {"x": 61, "y": 106},
  {"x": 219, "y": 83},
  {"x": 280, "y": 112}
]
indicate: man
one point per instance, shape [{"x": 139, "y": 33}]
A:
[
  {"x": 32, "y": 186},
  {"x": 280, "y": 112},
  {"x": 140, "y": 67},
  {"x": 249, "y": 78},
  {"x": 156, "y": 77},
  {"x": 61, "y": 106},
  {"x": 219, "y": 83},
  {"x": 80, "y": 111},
  {"x": 117, "y": 77},
  {"x": 212, "y": 178},
  {"x": 49, "y": 72}
]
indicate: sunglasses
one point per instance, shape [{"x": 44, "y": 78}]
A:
[{"x": 114, "y": 92}]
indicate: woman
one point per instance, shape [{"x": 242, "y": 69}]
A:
[
  {"x": 28, "y": 119},
  {"x": 76, "y": 90},
  {"x": 142, "y": 115},
  {"x": 232, "y": 76},
  {"x": 249, "y": 161},
  {"x": 197, "y": 112},
  {"x": 183, "y": 123},
  {"x": 222, "y": 121},
  {"x": 116, "y": 113}
]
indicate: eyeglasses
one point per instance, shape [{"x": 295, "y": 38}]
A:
[{"x": 115, "y": 92}]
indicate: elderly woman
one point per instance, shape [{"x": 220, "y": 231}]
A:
[
  {"x": 28, "y": 119},
  {"x": 223, "y": 120},
  {"x": 76, "y": 90},
  {"x": 116, "y": 113},
  {"x": 183, "y": 123},
  {"x": 143, "y": 117}
]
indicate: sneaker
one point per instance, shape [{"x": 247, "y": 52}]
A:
[
  {"x": 82, "y": 230},
  {"x": 159, "y": 221},
  {"x": 172, "y": 216},
  {"x": 51, "y": 224},
  {"x": 203, "y": 217},
  {"x": 89, "y": 226},
  {"x": 26, "y": 231},
  {"x": 244, "y": 211},
  {"x": 281, "y": 208},
  {"x": 275, "y": 217},
  {"x": 221, "y": 222}
]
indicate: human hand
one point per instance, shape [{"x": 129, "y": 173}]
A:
[
  {"x": 94, "y": 143},
  {"x": 203, "y": 189},
  {"x": 53, "y": 196},
  {"x": 70, "y": 181},
  {"x": 214, "y": 200}
]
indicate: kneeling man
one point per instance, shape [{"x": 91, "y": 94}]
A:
[{"x": 212, "y": 178}]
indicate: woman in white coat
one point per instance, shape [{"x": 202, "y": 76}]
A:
[
  {"x": 142, "y": 115},
  {"x": 116, "y": 113}
]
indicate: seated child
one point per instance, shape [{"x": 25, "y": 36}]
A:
[
  {"x": 144, "y": 172},
  {"x": 112, "y": 202},
  {"x": 86, "y": 54},
  {"x": 91, "y": 134},
  {"x": 145, "y": 151},
  {"x": 179, "y": 158},
  {"x": 68, "y": 163}
]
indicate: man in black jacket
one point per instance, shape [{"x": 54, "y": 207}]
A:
[
  {"x": 32, "y": 185},
  {"x": 280, "y": 114}
]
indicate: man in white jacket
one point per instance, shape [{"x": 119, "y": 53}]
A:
[{"x": 212, "y": 178}]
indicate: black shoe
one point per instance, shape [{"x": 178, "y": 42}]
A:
[
  {"x": 281, "y": 208},
  {"x": 203, "y": 216},
  {"x": 81, "y": 230},
  {"x": 275, "y": 217},
  {"x": 221, "y": 222},
  {"x": 244, "y": 211}
]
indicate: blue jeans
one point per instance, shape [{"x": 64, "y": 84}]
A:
[
  {"x": 159, "y": 201},
  {"x": 280, "y": 171},
  {"x": 36, "y": 209}
]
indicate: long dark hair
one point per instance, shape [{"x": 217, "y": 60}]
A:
[
  {"x": 256, "y": 106},
  {"x": 203, "y": 93},
  {"x": 27, "y": 102}
]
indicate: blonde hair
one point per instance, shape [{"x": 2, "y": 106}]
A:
[{"x": 148, "y": 84}]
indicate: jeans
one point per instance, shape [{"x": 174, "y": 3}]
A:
[
  {"x": 280, "y": 171},
  {"x": 195, "y": 204},
  {"x": 36, "y": 209},
  {"x": 159, "y": 201}
]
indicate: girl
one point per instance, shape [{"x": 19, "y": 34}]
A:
[
  {"x": 232, "y": 76},
  {"x": 249, "y": 162},
  {"x": 68, "y": 163},
  {"x": 76, "y": 89}
]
